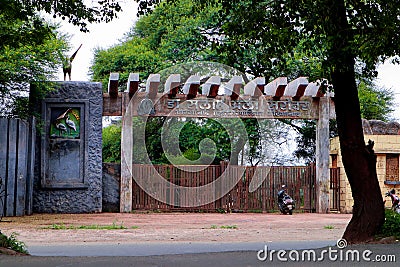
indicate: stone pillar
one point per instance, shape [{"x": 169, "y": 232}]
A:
[
  {"x": 322, "y": 156},
  {"x": 68, "y": 171}
]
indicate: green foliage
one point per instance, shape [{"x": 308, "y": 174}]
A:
[
  {"x": 133, "y": 55},
  {"x": 56, "y": 226},
  {"x": 177, "y": 31},
  {"x": 77, "y": 12},
  {"x": 391, "y": 227},
  {"x": 12, "y": 243},
  {"x": 201, "y": 141},
  {"x": 220, "y": 210},
  {"x": 153, "y": 141},
  {"x": 229, "y": 227},
  {"x": 31, "y": 49},
  {"x": 197, "y": 141},
  {"x": 272, "y": 32},
  {"x": 29, "y": 53},
  {"x": 224, "y": 227},
  {"x": 191, "y": 154},
  {"x": 170, "y": 35},
  {"x": 306, "y": 141},
  {"x": 112, "y": 143},
  {"x": 2, "y": 196},
  {"x": 375, "y": 103},
  {"x": 190, "y": 157},
  {"x": 279, "y": 38}
]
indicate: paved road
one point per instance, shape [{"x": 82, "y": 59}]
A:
[
  {"x": 336, "y": 257},
  {"x": 239, "y": 247},
  {"x": 153, "y": 249}
]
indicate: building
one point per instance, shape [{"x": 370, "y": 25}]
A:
[{"x": 387, "y": 149}]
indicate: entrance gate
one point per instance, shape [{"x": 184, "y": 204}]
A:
[{"x": 297, "y": 99}]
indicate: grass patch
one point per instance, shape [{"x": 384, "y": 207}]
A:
[
  {"x": 329, "y": 227},
  {"x": 229, "y": 227},
  {"x": 224, "y": 227},
  {"x": 12, "y": 243},
  {"x": 102, "y": 227},
  {"x": 255, "y": 211},
  {"x": 113, "y": 226},
  {"x": 219, "y": 210},
  {"x": 56, "y": 226}
]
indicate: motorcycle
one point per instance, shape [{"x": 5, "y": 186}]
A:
[
  {"x": 285, "y": 203},
  {"x": 395, "y": 200}
]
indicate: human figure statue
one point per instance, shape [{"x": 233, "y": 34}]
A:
[{"x": 67, "y": 64}]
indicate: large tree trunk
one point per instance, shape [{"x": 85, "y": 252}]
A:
[
  {"x": 359, "y": 163},
  {"x": 359, "y": 160}
]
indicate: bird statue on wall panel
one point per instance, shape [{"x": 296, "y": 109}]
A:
[
  {"x": 70, "y": 123},
  {"x": 61, "y": 127},
  {"x": 67, "y": 64}
]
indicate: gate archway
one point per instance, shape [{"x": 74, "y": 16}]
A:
[{"x": 297, "y": 99}]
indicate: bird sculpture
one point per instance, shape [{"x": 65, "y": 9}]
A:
[
  {"x": 67, "y": 64},
  {"x": 61, "y": 127},
  {"x": 70, "y": 123}
]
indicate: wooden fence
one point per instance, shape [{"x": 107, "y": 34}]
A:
[
  {"x": 16, "y": 166},
  {"x": 300, "y": 183}
]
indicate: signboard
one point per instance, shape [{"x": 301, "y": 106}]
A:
[{"x": 223, "y": 107}]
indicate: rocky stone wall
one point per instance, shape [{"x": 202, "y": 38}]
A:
[
  {"x": 111, "y": 184},
  {"x": 81, "y": 196}
]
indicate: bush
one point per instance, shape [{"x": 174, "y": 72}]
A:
[
  {"x": 112, "y": 143},
  {"x": 12, "y": 243},
  {"x": 391, "y": 227},
  {"x": 190, "y": 157}
]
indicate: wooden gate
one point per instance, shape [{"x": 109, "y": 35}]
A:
[
  {"x": 335, "y": 189},
  {"x": 300, "y": 183},
  {"x": 16, "y": 166}
]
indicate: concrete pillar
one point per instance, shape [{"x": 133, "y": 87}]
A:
[
  {"x": 322, "y": 156},
  {"x": 126, "y": 162}
]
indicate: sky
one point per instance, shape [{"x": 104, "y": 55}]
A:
[
  {"x": 389, "y": 77},
  {"x": 105, "y": 35}
]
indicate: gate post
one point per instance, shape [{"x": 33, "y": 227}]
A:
[
  {"x": 68, "y": 172},
  {"x": 322, "y": 156},
  {"x": 126, "y": 162}
]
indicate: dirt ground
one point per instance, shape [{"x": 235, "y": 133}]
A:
[{"x": 176, "y": 227}]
